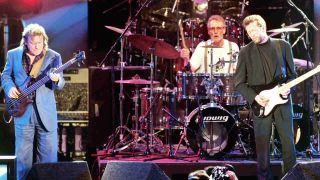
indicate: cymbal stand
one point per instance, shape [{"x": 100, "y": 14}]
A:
[
  {"x": 150, "y": 121},
  {"x": 120, "y": 38}
]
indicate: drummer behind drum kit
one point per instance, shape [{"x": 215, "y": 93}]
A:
[
  {"x": 212, "y": 129},
  {"x": 215, "y": 133}
]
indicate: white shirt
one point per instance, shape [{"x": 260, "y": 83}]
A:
[{"x": 221, "y": 55}]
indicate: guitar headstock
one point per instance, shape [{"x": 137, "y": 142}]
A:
[{"x": 79, "y": 57}]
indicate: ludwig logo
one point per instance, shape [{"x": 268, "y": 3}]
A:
[
  {"x": 215, "y": 118},
  {"x": 297, "y": 115}
]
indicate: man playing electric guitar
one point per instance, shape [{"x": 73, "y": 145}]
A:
[{"x": 265, "y": 61}]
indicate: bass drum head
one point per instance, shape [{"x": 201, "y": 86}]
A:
[{"x": 213, "y": 130}]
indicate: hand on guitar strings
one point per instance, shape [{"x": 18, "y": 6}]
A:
[{"x": 261, "y": 100}]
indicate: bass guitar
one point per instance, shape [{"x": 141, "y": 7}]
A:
[
  {"x": 274, "y": 94},
  {"x": 17, "y": 106}
]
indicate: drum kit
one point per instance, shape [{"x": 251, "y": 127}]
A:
[
  {"x": 157, "y": 108},
  {"x": 216, "y": 122}
]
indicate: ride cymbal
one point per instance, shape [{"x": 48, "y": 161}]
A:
[{"x": 154, "y": 46}]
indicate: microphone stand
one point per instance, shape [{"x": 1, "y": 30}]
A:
[
  {"x": 121, "y": 96},
  {"x": 307, "y": 82}
]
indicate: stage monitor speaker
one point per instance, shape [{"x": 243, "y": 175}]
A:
[
  {"x": 304, "y": 171},
  {"x": 116, "y": 170},
  {"x": 61, "y": 170}
]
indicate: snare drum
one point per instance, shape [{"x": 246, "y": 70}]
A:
[
  {"x": 215, "y": 132},
  {"x": 192, "y": 85},
  {"x": 228, "y": 95}
]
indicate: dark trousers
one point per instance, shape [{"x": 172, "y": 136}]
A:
[{"x": 282, "y": 117}]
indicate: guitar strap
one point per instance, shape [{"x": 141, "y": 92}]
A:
[
  {"x": 36, "y": 67},
  {"x": 230, "y": 58},
  {"x": 205, "y": 58},
  {"x": 283, "y": 65}
]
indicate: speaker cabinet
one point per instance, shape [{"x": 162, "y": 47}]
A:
[
  {"x": 60, "y": 170},
  {"x": 304, "y": 171},
  {"x": 116, "y": 170},
  {"x": 74, "y": 95}
]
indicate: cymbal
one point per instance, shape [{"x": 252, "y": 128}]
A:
[
  {"x": 301, "y": 63},
  {"x": 161, "y": 48},
  {"x": 136, "y": 67},
  {"x": 136, "y": 81},
  {"x": 290, "y": 26},
  {"x": 127, "y": 68},
  {"x": 211, "y": 46},
  {"x": 284, "y": 29},
  {"x": 118, "y": 30},
  {"x": 165, "y": 14}
]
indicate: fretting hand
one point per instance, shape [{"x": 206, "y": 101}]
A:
[{"x": 54, "y": 77}]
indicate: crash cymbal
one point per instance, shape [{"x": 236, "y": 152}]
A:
[
  {"x": 301, "y": 63},
  {"x": 284, "y": 29},
  {"x": 161, "y": 48},
  {"x": 118, "y": 30},
  {"x": 290, "y": 26},
  {"x": 136, "y": 81}
]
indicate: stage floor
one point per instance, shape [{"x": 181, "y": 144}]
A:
[{"x": 179, "y": 166}]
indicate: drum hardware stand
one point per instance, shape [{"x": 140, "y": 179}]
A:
[
  {"x": 172, "y": 154},
  {"x": 239, "y": 140},
  {"x": 120, "y": 38},
  {"x": 275, "y": 151}
]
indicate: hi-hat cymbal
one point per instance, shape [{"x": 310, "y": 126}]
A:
[
  {"x": 136, "y": 81},
  {"x": 152, "y": 45},
  {"x": 284, "y": 29},
  {"x": 118, "y": 30}
]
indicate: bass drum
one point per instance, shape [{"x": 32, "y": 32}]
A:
[{"x": 213, "y": 130}]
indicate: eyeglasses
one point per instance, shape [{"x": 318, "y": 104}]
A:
[{"x": 219, "y": 28}]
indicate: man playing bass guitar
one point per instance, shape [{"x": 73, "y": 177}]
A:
[{"x": 36, "y": 125}]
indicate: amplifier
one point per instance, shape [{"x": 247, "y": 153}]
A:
[{"x": 74, "y": 95}]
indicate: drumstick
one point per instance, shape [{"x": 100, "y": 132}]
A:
[{"x": 183, "y": 41}]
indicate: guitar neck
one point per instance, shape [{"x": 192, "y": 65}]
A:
[
  {"x": 34, "y": 86},
  {"x": 301, "y": 78}
]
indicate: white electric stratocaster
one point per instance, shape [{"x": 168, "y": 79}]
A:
[{"x": 274, "y": 94}]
